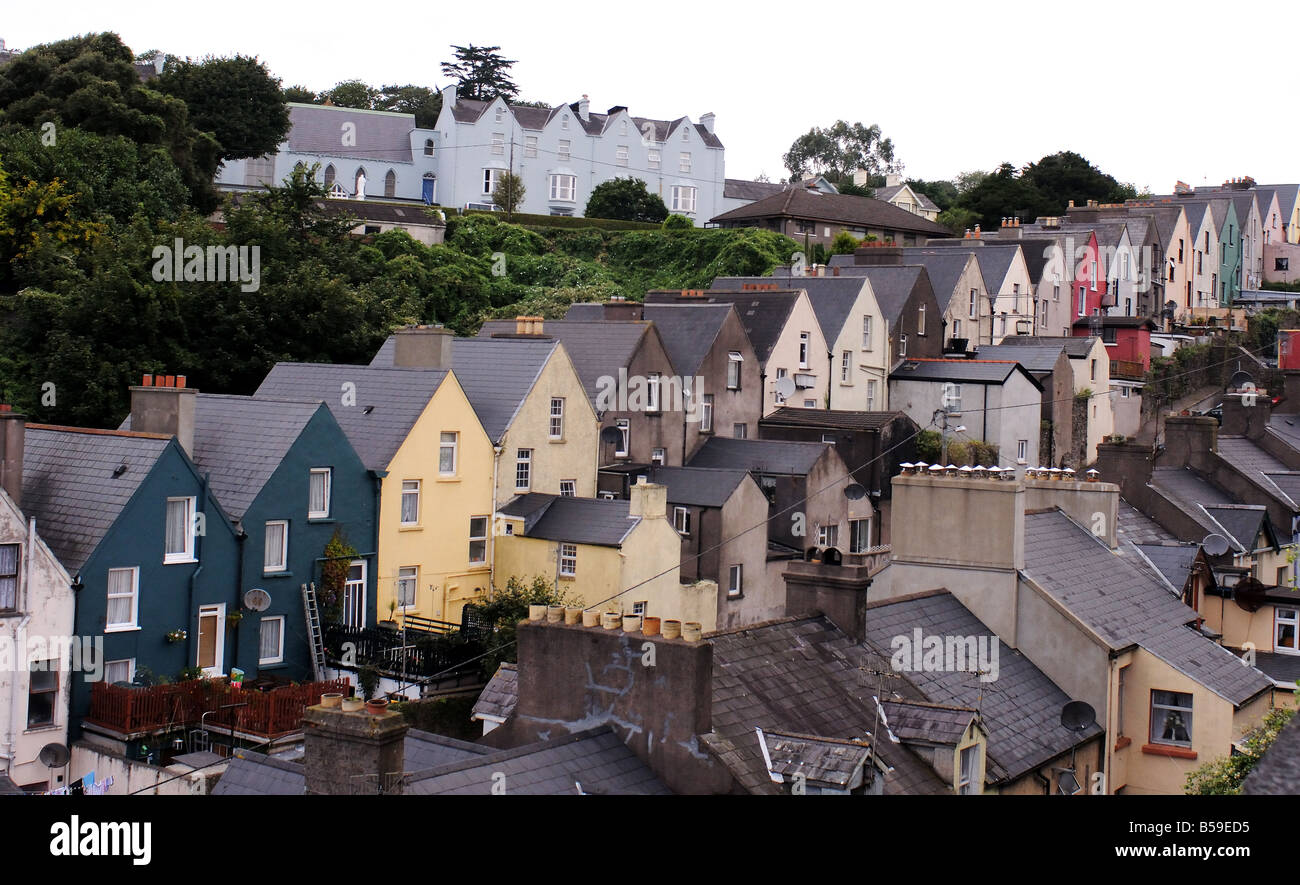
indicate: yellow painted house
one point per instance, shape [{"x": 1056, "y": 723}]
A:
[
  {"x": 618, "y": 556},
  {"x": 416, "y": 430}
]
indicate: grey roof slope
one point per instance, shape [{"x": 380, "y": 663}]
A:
[
  {"x": 832, "y": 298},
  {"x": 1277, "y": 773},
  {"x": 891, "y": 284},
  {"x": 1257, "y": 464},
  {"x": 888, "y": 193},
  {"x": 1035, "y": 359},
  {"x": 994, "y": 256},
  {"x": 468, "y": 110},
  {"x": 698, "y": 486},
  {"x": 945, "y": 267},
  {"x": 1195, "y": 495},
  {"x": 596, "y": 349},
  {"x": 7, "y": 786},
  {"x": 741, "y": 189},
  {"x": 1021, "y": 710},
  {"x": 499, "y": 696},
  {"x": 424, "y": 749},
  {"x": 688, "y": 331},
  {"x": 800, "y": 675},
  {"x": 843, "y": 419},
  {"x": 926, "y": 722},
  {"x": 381, "y": 136},
  {"x": 1286, "y": 200},
  {"x": 800, "y": 202},
  {"x": 966, "y": 371},
  {"x": 253, "y": 774},
  {"x": 1121, "y": 598},
  {"x": 1173, "y": 561},
  {"x": 597, "y": 761},
  {"x": 496, "y": 374},
  {"x": 69, "y": 487},
  {"x": 1133, "y": 525},
  {"x": 388, "y": 401},
  {"x": 761, "y": 455},
  {"x": 1076, "y": 347},
  {"x": 575, "y": 520},
  {"x": 1244, "y": 522},
  {"x": 763, "y": 313},
  {"x": 242, "y": 440},
  {"x": 818, "y": 759}
]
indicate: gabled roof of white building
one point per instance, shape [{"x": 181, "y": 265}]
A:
[{"x": 382, "y": 136}]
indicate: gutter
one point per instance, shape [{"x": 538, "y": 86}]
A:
[{"x": 192, "y": 635}]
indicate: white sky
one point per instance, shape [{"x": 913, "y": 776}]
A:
[{"x": 1198, "y": 91}]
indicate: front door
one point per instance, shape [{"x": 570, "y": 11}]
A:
[
  {"x": 212, "y": 639},
  {"x": 354, "y": 595},
  {"x": 426, "y": 192}
]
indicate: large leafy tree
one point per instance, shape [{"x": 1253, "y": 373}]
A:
[
  {"x": 1002, "y": 193},
  {"x": 351, "y": 94},
  {"x": 481, "y": 73},
  {"x": 423, "y": 102},
  {"x": 1066, "y": 176},
  {"x": 840, "y": 150},
  {"x": 236, "y": 99},
  {"x": 625, "y": 199}
]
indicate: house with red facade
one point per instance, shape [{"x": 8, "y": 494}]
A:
[{"x": 1127, "y": 340}]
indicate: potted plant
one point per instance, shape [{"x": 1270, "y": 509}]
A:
[
  {"x": 177, "y": 635},
  {"x": 391, "y": 623},
  {"x": 233, "y": 619},
  {"x": 368, "y": 680}
]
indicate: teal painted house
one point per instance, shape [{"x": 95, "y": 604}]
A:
[{"x": 1229, "y": 253}]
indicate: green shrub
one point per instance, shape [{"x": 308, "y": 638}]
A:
[
  {"x": 844, "y": 243},
  {"x": 678, "y": 222}
]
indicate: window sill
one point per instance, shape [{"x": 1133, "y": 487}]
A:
[
  {"x": 277, "y": 664},
  {"x": 320, "y": 520},
  {"x": 731, "y": 595},
  {"x": 189, "y": 561},
  {"x": 447, "y": 479},
  {"x": 1168, "y": 750},
  {"x": 1123, "y": 742},
  {"x": 568, "y": 577},
  {"x": 410, "y": 528},
  {"x": 135, "y": 629},
  {"x": 556, "y": 440},
  {"x": 277, "y": 574},
  {"x": 39, "y": 729}
]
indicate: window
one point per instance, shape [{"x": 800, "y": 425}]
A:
[
  {"x": 684, "y": 162},
  {"x": 180, "y": 530},
  {"x": 1128, "y": 307},
  {"x": 523, "y": 470},
  {"x": 410, "y": 502},
  {"x": 902, "y": 345},
  {"x": 1022, "y": 450},
  {"x": 682, "y": 520},
  {"x": 1124, "y": 392},
  {"x": 119, "y": 671},
  {"x": 706, "y": 413},
  {"x": 1286, "y": 626},
  {"x": 1284, "y": 576},
  {"x": 491, "y": 178},
  {"x": 390, "y": 184},
  {"x": 780, "y": 373},
  {"x": 620, "y": 154},
  {"x": 1109, "y": 335},
  {"x": 501, "y": 113},
  {"x": 859, "y": 535},
  {"x": 447, "y": 454},
  {"x": 498, "y": 142},
  {"x": 952, "y": 397},
  {"x": 810, "y": 404},
  {"x": 1083, "y": 302},
  {"x": 828, "y": 535},
  {"x": 625, "y": 432},
  {"x": 478, "y": 531},
  {"x": 42, "y": 692},
  {"x": 658, "y": 456},
  {"x": 652, "y": 392},
  {"x": 564, "y": 187},
  {"x": 740, "y": 431},
  {"x": 557, "y": 417},
  {"x": 568, "y": 560},
  {"x": 564, "y": 147},
  {"x": 8, "y": 577},
  {"x": 318, "y": 493},
  {"x": 683, "y": 198},
  {"x": 1171, "y": 718},
  {"x": 1056, "y": 292},
  {"x": 275, "y": 558},
  {"x": 123, "y": 599},
  {"x": 428, "y": 147},
  {"x": 1093, "y": 369},
  {"x": 329, "y": 170},
  {"x": 652, "y": 158},
  {"x": 920, "y": 320},
  {"x": 568, "y": 488},
  {"x": 530, "y": 145},
  {"x": 1281, "y": 264},
  {"x": 973, "y": 307},
  {"x": 1180, "y": 250},
  {"x": 828, "y": 438},
  {"x": 735, "y": 580},
  {"x": 406, "y": 583},
  {"x": 564, "y": 122},
  {"x": 956, "y": 328},
  {"x": 846, "y": 367},
  {"x": 734, "y": 360},
  {"x": 871, "y": 395},
  {"x": 638, "y": 608},
  {"x": 271, "y": 646},
  {"x": 866, "y": 332},
  {"x": 970, "y": 758},
  {"x": 804, "y": 338}
]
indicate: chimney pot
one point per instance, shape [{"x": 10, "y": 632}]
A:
[{"x": 165, "y": 408}]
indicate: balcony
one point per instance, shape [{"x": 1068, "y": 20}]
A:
[{"x": 1129, "y": 370}]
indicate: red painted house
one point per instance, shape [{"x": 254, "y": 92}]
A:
[{"x": 1127, "y": 340}]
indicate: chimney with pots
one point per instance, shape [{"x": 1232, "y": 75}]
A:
[
  {"x": 1010, "y": 228},
  {"x": 163, "y": 404},
  {"x": 647, "y": 500},
  {"x": 878, "y": 254},
  {"x": 423, "y": 347},
  {"x": 893, "y": 179},
  {"x": 584, "y": 108},
  {"x": 13, "y": 432},
  {"x": 619, "y": 308},
  {"x": 353, "y": 753},
  {"x": 707, "y": 120}
]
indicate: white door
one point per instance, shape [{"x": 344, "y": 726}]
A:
[
  {"x": 354, "y": 595},
  {"x": 212, "y": 639}
]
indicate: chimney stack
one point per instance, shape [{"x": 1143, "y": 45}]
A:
[
  {"x": 584, "y": 105},
  {"x": 528, "y": 325},
  {"x": 707, "y": 120},
  {"x": 619, "y": 308},
  {"x": 893, "y": 179},
  {"x": 647, "y": 500},
  {"x": 13, "y": 431},
  {"x": 353, "y": 753},
  {"x": 878, "y": 255},
  {"x": 158, "y": 60},
  {"x": 422, "y": 347},
  {"x": 163, "y": 404}
]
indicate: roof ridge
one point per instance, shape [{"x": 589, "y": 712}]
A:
[{"x": 98, "y": 431}]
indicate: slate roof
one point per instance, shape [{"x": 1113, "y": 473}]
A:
[
  {"x": 596, "y": 348},
  {"x": 381, "y": 136},
  {"x": 253, "y": 774},
  {"x": 818, "y": 759},
  {"x": 1259, "y": 465},
  {"x": 698, "y": 486},
  {"x": 995, "y": 263},
  {"x": 424, "y": 749},
  {"x": 1166, "y": 220},
  {"x": 688, "y": 331},
  {"x": 800, "y": 202},
  {"x": 832, "y": 298},
  {"x": 1244, "y": 522},
  {"x": 1034, "y": 359},
  {"x": 7, "y": 786},
  {"x": 759, "y": 455},
  {"x": 1120, "y": 598},
  {"x": 388, "y": 401},
  {"x": 740, "y": 189},
  {"x": 497, "y": 374},
  {"x": 1135, "y": 526},
  {"x": 1283, "y": 668},
  {"x": 1277, "y": 773},
  {"x": 763, "y": 314},
  {"x": 573, "y": 520},
  {"x": 69, "y": 487},
  {"x": 893, "y": 285},
  {"x": 964, "y": 371},
  {"x": 499, "y": 696},
  {"x": 596, "y": 759},
  {"x": 1076, "y": 347},
  {"x": 888, "y": 193},
  {"x": 1196, "y": 497},
  {"x": 921, "y": 721},
  {"x": 840, "y": 419},
  {"x": 945, "y": 267},
  {"x": 1286, "y": 200},
  {"x": 1173, "y": 561},
  {"x": 468, "y": 110}
]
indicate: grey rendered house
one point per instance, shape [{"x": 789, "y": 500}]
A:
[{"x": 809, "y": 216}]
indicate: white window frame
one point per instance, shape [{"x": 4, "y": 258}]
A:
[
  {"x": 1022, "y": 450},
  {"x": 564, "y": 188},
  {"x": 734, "y": 361},
  {"x": 620, "y": 152},
  {"x": 684, "y": 162},
  {"x": 568, "y": 488},
  {"x": 920, "y": 320},
  {"x": 445, "y": 445},
  {"x": 653, "y": 384},
  {"x": 706, "y": 413},
  {"x": 659, "y": 456},
  {"x": 530, "y": 145},
  {"x": 565, "y": 148},
  {"x": 779, "y": 398},
  {"x": 498, "y": 141},
  {"x": 409, "y": 493},
  {"x": 861, "y": 527},
  {"x": 866, "y": 331},
  {"x": 1294, "y": 621},
  {"x": 805, "y": 344},
  {"x": 523, "y": 470},
  {"x": 682, "y": 520},
  {"x": 568, "y": 560},
  {"x": 846, "y": 367},
  {"x": 130, "y": 670},
  {"x": 625, "y": 433},
  {"x": 653, "y": 158},
  {"x": 491, "y": 178},
  {"x": 283, "y": 564},
  {"x": 408, "y": 576},
  {"x": 828, "y": 535},
  {"x": 479, "y": 538},
  {"x": 328, "y": 473},
  {"x": 186, "y": 555},
  {"x": 134, "y": 596},
  {"x": 684, "y": 198},
  {"x": 735, "y": 580},
  {"x": 902, "y": 344},
  {"x": 261, "y": 640},
  {"x": 871, "y": 395},
  {"x": 974, "y": 304},
  {"x": 966, "y": 785},
  {"x": 556, "y": 425}
]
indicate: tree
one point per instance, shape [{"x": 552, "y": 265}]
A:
[
  {"x": 1002, "y": 193},
  {"x": 958, "y": 220},
  {"x": 625, "y": 199},
  {"x": 300, "y": 94},
  {"x": 351, "y": 94},
  {"x": 236, "y": 99},
  {"x": 503, "y": 611},
  {"x": 844, "y": 243},
  {"x": 942, "y": 193},
  {"x": 1224, "y": 776},
  {"x": 678, "y": 222},
  {"x": 423, "y": 102},
  {"x": 839, "y": 151},
  {"x": 481, "y": 73},
  {"x": 509, "y": 193},
  {"x": 1066, "y": 176}
]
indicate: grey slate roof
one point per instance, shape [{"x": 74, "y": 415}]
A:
[
  {"x": 740, "y": 189},
  {"x": 1133, "y": 525},
  {"x": 759, "y": 455},
  {"x": 388, "y": 401},
  {"x": 1277, "y": 773},
  {"x": 1076, "y": 347},
  {"x": 574, "y": 520},
  {"x": 1259, "y": 465},
  {"x": 7, "y": 786},
  {"x": 1120, "y": 598},
  {"x": 69, "y": 487},
  {"x": 963, "y": 371},
  {"x": 994, "y": 256},
  {"x": 763, "y": 314},
  {"x": 840, "y": 419},
  {"x": 697, "y": 486},
  {"x": 888, "y": 193},
  {"x": 499, "y": 696},
  {"x": 800, "y": 202},
  {"x": 253, "y": 774},
  {"x": 945, "y": 267},
  {"x": 892, "y": 287},
  {"x": 496, "y": 374},
  {"x": 1286, "y": 200},
  {"x": 1280, "y": 667},
  {"x": 1244, "y": 522},
  {"x": 832, "y": 298},
  {"x": 1173, "y": 561},
  {"x": 688, "y": 331},
  {"x": 921, "y": 721},
  {"x": 1034, "y": 359},
  {"x": 468, "y": 110},
  {"x": 424, "y": 749},
  {"x": 818, "y": 759},
  {"x": 597, "y": 759},
  {"x": 381, "y": 136},
  {"x": 596, "y": 348}
]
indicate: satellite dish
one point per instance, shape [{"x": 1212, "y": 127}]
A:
[
  {"x": 257, "y": 600},
  {"x": 785, "y": 387},
  {"x": 855, "y": 491},
  {"x": 1078, "y": 715},
  {"x": 54, "y": 755},
  {"x": 611, "y": 435},
  {"x": 1215, "y": 545},
  {"x": 1248, "y": 594},
  {"x": 1239, "y": 380}
]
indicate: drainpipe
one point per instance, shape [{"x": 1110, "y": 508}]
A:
[
  {"x": 192, "y": 635},
  {"x": 492, "y": 529},
  {"x": 373, "y": 594},
  {"x": 240, "y": 537},
  {"x": 16, "y": 629}
]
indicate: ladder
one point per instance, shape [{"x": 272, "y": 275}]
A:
[{"x": 312, "y": 612}]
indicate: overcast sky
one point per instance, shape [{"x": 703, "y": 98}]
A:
[{"x": 1150, "y": 93}]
